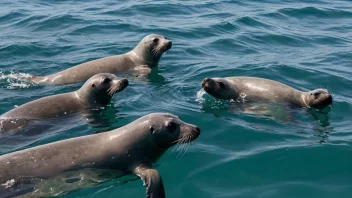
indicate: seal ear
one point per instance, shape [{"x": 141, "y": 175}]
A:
[{"x": 93, "y": 85}]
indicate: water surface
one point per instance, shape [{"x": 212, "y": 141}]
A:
[{"x": 305, "y": 44}]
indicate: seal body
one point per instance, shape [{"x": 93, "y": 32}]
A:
[
  {"x": 96, "y": 92},
  {"x": 130, "y": 149},
  {"x": 138, "y": 61},
  {"x": 259, "y": 89}
]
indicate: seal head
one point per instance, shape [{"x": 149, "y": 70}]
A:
[
  {"x": 220, "y": 88},
  {"x": 100, "y": 88},
  {"x": 317, "y": 99},
  {"x": 152, "y": 47},
  {"x": 167, "y": 130}
]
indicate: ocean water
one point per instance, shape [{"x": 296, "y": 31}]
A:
[{"x": 305, "y": 44}]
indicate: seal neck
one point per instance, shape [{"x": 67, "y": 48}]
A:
[
  {"x": 304, "y": 101},
  {"x": 140, "y": 59},
  {"x": 143, "y": 55},
  {"x": 92, "y": 98}
]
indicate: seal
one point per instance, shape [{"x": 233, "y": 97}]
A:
[
  {"x": 131, "y": 149},
  {"x": 260, "y": 89},
  {"x": 139, "y": 61},
  {"x": 95, "y": 93}
]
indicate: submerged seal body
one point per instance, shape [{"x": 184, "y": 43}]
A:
[
  {"x": 140, "y": 61},
  {"x": 260, "y": 89},
  {"x": 95, "y": 93},
  {"x": 130, "y": 149}
]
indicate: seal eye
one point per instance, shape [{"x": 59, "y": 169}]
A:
[
  {"x": 171, "y": 126},
  {"x": 106, "y": 80},
  {"x": 221, "y": 85},
  {"x": 316, "y": 94},
  {"x": 151, "y": 129},
  {"x": 93, "y": 85},
  {"x": 155, "y": 40}
]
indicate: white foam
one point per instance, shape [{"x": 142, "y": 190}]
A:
[
  {"x": 199, "y": 96},
  {"x": 16, "y": 80},
  {"x": 9, "y": 183}
]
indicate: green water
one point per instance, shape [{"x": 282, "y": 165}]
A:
[{"x": 304, "y": 44}]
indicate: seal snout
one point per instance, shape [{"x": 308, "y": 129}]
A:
[
  {"x": 205, "y": 82},
  {"x": 118, "y": 85},
  {"x": 168, "y": 45},
  {"x": 196, "y": 131},
  {"x": 322, "y": 99},
  {"x": 124, "y": 83}
]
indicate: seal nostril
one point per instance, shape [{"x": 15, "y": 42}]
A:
[{"x": 197, "y": 129}]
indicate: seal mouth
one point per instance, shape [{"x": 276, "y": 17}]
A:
[{"x": 117, "y": 86}]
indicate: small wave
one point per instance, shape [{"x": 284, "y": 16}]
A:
[
  {"x": 316, "y": 12},
  {"x": 252, "y": 22},
  {"x": 11, "y": 16}
]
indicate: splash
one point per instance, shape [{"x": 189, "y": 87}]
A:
[
  {"x": 9, "y": 183},
  {"x": 199, "y": 96},
  {"x": 242, "y": 98},
  {"x": 14, "y": 80}
]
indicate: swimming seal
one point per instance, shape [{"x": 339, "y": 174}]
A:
[
  {"x": 132, "y": 149},
  {"x": 253, "y": 89},
  {"x": 96, "y": 92},
  {"x": 138, "y": 61}
]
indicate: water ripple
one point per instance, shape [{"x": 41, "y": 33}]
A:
[{"x": 304, "y": 44}]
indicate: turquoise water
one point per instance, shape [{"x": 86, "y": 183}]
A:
[{"x": 306, "y": 44}]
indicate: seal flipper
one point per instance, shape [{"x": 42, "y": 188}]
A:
[{"x": 151, "y": 180}]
